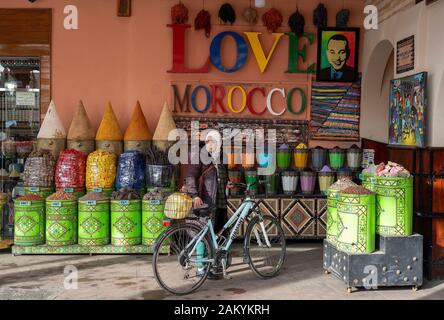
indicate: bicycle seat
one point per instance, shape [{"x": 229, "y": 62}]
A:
[{"x": 203, "y": 211}]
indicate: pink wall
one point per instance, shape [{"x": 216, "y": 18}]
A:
[{"x": 125, "y": 59}]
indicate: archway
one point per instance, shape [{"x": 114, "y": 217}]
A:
[{"x": 376, "y": 91}]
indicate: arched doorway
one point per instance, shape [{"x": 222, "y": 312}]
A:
[{"x": 376, "y": 91}]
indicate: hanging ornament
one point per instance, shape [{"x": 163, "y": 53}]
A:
[
  {"x": 296, "y": 22},
  {"x": 227, "y": 13},
  {"x": 203, "y": 21},
  {"x": 320, "y": 16},
  {"x": 250, "y": 15},
  {"x": 272, "y": 19},
  {"x": 179, "y": 14},
  {"x": 342, "y": 18}
]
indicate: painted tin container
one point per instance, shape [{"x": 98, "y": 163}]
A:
[
  {"x": 394, "y": 206},
  {"x": 318, "y": 158},
  {"x": 85, "y": 146},
  {"x": 107, "y": 192},
  {"x": 272, "y": 184},
  {"x": 368, "y": 181},
  {"x": 356, "y": 223},
  {"x": 29, "y": 222},
  {"x": 308, "y": 182},
  {"x": 289, "y": 182},
  {"x": 78, "y": 192},
  {"x": 301, "y": 158},
  {"x": 61, "y": 222},
  {"x": 337, "y": 158},
  {"x": 115, "y": 147},
  {"x": 354, "y": 158},
  {"x": 283, "y": 159},
  {"x": 126, "y": 222},
  {"x": 326, "y": 179},
  {"x": 152, "y": 221},
  {"x": 43, "y": 192},
  {"x": 94, "y": 222},
  {"x": 332, "y": 215},
  {"x": 251, "y": 178}
]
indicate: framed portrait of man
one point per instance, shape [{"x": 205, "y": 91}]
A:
[{"x": 338, "y": 55}]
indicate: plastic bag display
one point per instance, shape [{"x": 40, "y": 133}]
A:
[
  {"x": 100, "y": 170},
  {"x": 39, "y": 169},
  {"x": 131, "y": 170},
  {"x": 71, "y": 169}
]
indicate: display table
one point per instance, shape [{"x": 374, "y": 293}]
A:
[
  {"x": 77, "y": 249},
  {"x": 301, "y": 216}
]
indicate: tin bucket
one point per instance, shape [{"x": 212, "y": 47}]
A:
[
  {"x": 29, "y": 222},
  {"x": 152, "y": 221},
  {"x": 272, "y": 184},
  {"x": 126, "y": 222},
  {"x": 308, "y": 182},
  {"x": 318, "y": 158},
  {"x": 356, "y": 223},
  {"x": 289, "y": 182},
  {"x": 326, "y": 179},
  {"x": 61, "y": 222},
  {"x": 283, "y": 159},
  {"x": 94, "y": 222}
]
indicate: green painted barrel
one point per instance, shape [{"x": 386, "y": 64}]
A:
[
  {"x": 43, "y": 192},
  {"x": 29, "y": 222},
  {"x": 94, "y": 222},
  {"x": 61, "y": 222},
  {"x": 356, "y": 223},
  {"x": 126, "y": 222},
  {"x": 107, "y": 192},
  {"x": 152, "y": 221},
  {"x": 332, "y": 216},
  {"x": 77, "y": 192},
  {"x": 368, "y": 181},
  {"x": 394, "y": 206}
]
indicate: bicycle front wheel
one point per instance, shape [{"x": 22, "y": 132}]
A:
[
  {"x": 177, "y": 268},
  {"x": 265, "y": 246}
]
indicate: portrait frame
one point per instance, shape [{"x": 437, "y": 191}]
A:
[{"x": 350, "y": 70}]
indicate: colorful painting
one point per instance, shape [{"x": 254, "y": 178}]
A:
[
  {"x": 335, "y": 111},
  {"x": 338, "y": 53},
  {"x": 408, "y": 103}
]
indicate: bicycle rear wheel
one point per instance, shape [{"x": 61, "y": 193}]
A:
[
  {"x": 175, "y": 269},
  {"x": 265, "y": 246}
]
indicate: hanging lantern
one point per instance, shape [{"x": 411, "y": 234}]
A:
[
  {"x": 296, "y": 22},
  {"x": 320, "y": 16},
  {"x": 179, "y": 14},
  {"x": 342, "y": 18},
  {"x": 250, "y": 15},
  {"x": 203, "y": 21},
  {"x": 272, "y": 19},
  {"x": 227, "y": 13}
]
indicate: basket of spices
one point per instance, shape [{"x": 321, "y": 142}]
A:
[
  {"x": 94, "y": 219},
  {"x": 126, "y": 218},
  {"x": 61, "y": 219},
  {"x": 29, "y": 220}
]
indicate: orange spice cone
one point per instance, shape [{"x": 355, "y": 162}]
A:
[
  {"x": 109, "y": 128},
  {"x": 137, "y": 128}
]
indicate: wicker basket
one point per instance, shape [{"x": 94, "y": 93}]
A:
[{"x": 178, "y": 206}]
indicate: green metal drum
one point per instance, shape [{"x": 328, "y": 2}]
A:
[
  {"x": 394, "y": 206},
  {"x": 61, "y": 222},
  {"x": 78, "y": 192},
  {"x": 43, "y": 192},
  {"x": 152, "y": 220},
  {"x": 94, "y": 222},
  {"x": 106, "y": 192},
  {"x": 356, "y": 223},
  {"x": 126, "y": 222},
  {"x": 332, "y": 216},
  {"x": 29, "y": 222},
  {"x": 368, "y": 181}
]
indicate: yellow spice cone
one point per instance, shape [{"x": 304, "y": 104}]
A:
[
  {"x": 137, "y": 128},
  {"x": 52, "y": 127},
  {"x": 81, "y": 128},
  {"x": 109, "y": 128},
  {"x": 165, "y": 125}
]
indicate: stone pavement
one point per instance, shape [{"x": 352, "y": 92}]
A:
[{"x": 131, "y": 277}]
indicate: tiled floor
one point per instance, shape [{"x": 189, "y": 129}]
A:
[{"x": 131, "y": 277}]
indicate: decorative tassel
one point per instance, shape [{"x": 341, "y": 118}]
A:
[
  {"x": 296, "y": 22},
  {"x": 227, "y": 13},
  {"x": 342, "y": 18},
  {"x": 203, "y": 21},
  {"x": 272, "y": 19},
  {"x": 179, "y": 13},
  {"x": 320, "y": 16},
  {"x": 250, "y": 15}
]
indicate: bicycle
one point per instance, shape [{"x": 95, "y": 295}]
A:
[{"x": 195, "y": 250}]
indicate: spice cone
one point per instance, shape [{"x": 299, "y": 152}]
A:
[
  {"x": 137, "y": 128},
  {"x": 52, "y": 127},
  {"x": 81, "y": 128},
  {"x": 164, "y": 126},
  {"x": 109, "y": 128}
]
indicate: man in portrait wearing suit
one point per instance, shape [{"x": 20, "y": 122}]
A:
[{"x": 338, "y": 53}]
